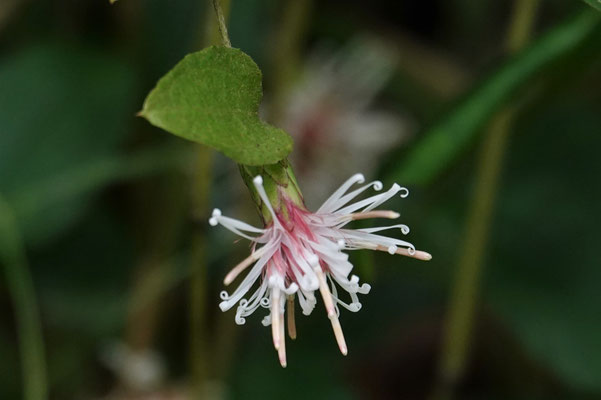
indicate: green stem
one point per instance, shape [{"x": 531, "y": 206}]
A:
[
  {"x": 464, "y": 295},
  {"x": 21, "y": 288},
  {"x": 225, "y": 39}
]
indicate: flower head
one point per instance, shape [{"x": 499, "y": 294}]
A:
[{"x": 299, "y": 253}]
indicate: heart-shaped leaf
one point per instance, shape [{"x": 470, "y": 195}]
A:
[{"x": 212, "y": 97}]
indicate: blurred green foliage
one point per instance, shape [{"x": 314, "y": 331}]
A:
[
  {"x": 594, "y": 3},
  {"x": 445, "y": 141},
  {"x": 61, "y": 107}
]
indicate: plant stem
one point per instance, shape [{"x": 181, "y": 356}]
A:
[
  {"x": 225, "y": 39},
  {"x": 464, "y": 295},
  {"x": 21, "y": 288}
]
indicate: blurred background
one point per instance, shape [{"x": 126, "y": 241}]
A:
[{"x": 489, "y": 111}]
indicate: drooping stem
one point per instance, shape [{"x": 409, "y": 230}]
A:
[
  {"x": 21, "y": 289},
  {"x": 459, "y": 324},
  {"x": 225, "y": 39}
]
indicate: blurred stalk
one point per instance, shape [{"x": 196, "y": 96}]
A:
[
  {"x": 157, "y": 235},
  {"x": 201, "y": 187},
  {"x": 199, "y": 341},
  {"x": 286, "y": 53},
  {"x": 455, "y": 346},
  {"x": 21, "y": 288},
  {"x": 158, "y": 223}
]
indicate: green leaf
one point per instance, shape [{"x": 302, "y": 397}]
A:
[
  {"x": 442, "y": 143},
  {"x": 212, "y": 97},
  {"x": 594, "y": 3}
]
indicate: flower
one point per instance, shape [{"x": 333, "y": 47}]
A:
[
  {"x": 300, "y": 252},
  {"x": 335, "y": 111}
]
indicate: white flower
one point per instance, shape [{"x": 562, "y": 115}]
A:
[{"x": 300, "y": 252}]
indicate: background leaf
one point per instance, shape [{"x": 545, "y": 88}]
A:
[
  {"x": 445, "y": 141},
  {"x": 552, "y": 302},
  {"x": 594, "y": 3},
  {"x": 212, "y": 97}
]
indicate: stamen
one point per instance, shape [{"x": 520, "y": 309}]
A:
[
  {"x": 233, "y": 274},
  {"x": 275, "y": 317},
  {"x": 325, "y": 292},
  {"x": 329, "y": 303},
  {"x": 282, "y": 349},
  {"x": 291, "y": 321},
  {"x": 339, "y": 334},
  {"x": 375, "y": 214},
  {"x": 216, "y": 214},
  {"x": 417, "y": 254}
]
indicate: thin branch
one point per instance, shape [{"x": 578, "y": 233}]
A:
[{"x": 225, "y": 39}]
